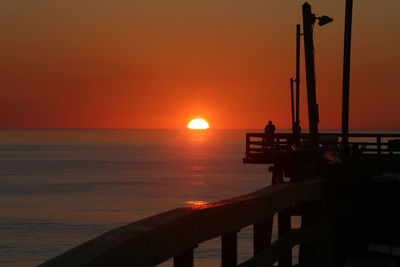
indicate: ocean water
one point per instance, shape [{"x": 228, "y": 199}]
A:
[{"x": 59, "y": 188}]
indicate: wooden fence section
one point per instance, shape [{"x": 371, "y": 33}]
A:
[
  {"x": 176, "y": 233},
  {"x": 366, "y": 143}
]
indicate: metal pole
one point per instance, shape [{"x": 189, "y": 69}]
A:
[
  {"x": 308, "y": 22},
  {"x": 346, "y": 74},
  {"x": 292, "y": 102},
  {"x": 298, "y": 74}
]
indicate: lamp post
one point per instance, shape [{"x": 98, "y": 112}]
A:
[{"x": 309, "y": 20}]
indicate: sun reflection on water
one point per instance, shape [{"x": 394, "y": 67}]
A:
[
  {"x": 198, "y": 136},
  {"x": 198, "y": 183},
  {"x": 198, "y": 152},
  {"x": 197, "y": 204}
]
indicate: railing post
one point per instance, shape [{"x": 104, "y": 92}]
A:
[
  {"x": 184, "y": 259},
  {"x": 262, "y": 232},
  {"x": 229, "y": 249},
  {"x": 284, "y": 226},
  {"x": 379, "y": 145},
  {"x": 311, "y": 215}
]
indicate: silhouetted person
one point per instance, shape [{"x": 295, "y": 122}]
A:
[{"x": 269, "y": 133}]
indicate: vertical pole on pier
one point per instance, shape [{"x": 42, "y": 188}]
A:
[
  {"x": 298, "y": 74},
  {"x": 308, "y": 22},
  {"x": 292, "y": 102},
  {"x": 346, "y": 74},
  {"x": 229, "y": 250}
]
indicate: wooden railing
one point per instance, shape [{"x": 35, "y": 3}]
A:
[
  {"x": 176, "y": 233},
  {"x": 370, "y": 143}
]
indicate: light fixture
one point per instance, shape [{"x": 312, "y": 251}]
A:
[{"x": 324, "y": 20}]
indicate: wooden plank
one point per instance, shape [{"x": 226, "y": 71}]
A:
[{"x": 229, "y": 249}]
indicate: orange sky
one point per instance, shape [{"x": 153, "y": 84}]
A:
[{"x": 158, "y": 63}]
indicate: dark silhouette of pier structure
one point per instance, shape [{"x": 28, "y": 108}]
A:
[{"x": 345, "y": 186}]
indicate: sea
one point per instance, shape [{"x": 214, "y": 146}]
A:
[{"x": 60, "y": 188}]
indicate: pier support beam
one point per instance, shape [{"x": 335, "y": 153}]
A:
[
  {"x": 184, "y": 259},
  {"x": 284, "y": 226},
  {"x": 277, "y": 173},
  {"x": 312, "y": 213},
  {"x": 262, "y": 233},
  {"x": 229, "y": 250}
]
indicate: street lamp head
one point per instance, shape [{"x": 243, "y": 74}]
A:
[{"x": 324, "y": 20}]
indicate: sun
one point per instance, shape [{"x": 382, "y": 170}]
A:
[{"x": 198, "y": 124}]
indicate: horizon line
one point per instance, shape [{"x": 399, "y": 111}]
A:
[{"x": 135, "y": 129}]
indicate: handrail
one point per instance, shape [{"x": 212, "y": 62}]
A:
[
  {"x": 256, "y": 143},
  {"x": 282, "y": 135},
  {"x": 176, "y": 233}
]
